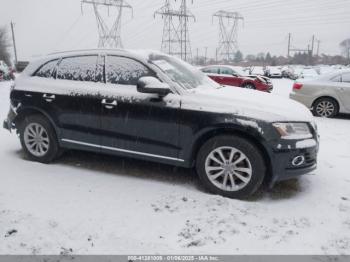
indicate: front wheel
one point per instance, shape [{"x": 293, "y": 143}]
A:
[
  {"x": 38, "y": 139},
  {"x": 230, "y": 166},
  {"x": 249, "y": 86}
]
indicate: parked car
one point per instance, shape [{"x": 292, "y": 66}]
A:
[
  {"x": 257, "y": 70},
  {"x": 233, "y": 76},
  {"x": 6, "y": 73},
  {"x": 154, "y": 107},
  {"x": 308, "y": 73},
  {"x": 273, "y": 72},
  {"x": 326, "y": 96},
  {"x": 4, "y": 70}
]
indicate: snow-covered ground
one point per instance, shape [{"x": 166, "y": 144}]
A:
[{"x": 92, "y": 204}]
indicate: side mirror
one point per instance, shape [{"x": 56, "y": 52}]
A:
[
  {"x": 152, "y": 85},
  {"x": 235, "y": 75}
]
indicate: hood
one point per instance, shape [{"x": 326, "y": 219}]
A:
[{"x": 246, "y": 103}]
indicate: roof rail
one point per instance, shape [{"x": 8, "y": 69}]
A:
[{"x": 87, "y": 50}]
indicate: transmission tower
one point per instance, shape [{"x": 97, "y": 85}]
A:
[
  {"x": 228, "y": 44},
  {"x": 176, "y": 39},
  {"x": 109, "y": 37}
]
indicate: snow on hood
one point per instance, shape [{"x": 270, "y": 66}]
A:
[{"x": 246, "y": 103}]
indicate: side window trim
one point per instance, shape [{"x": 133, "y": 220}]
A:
[
  {"x": 126, "y": 57},
  {"x": 77, "y": 56},
  {"x": 40, "y": 67}
]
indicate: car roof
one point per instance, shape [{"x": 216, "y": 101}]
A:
[{"x": 141, "y": 55}]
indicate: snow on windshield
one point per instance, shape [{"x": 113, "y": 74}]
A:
[{"x": 182, "y": 73}]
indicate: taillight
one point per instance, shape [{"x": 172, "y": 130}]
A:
[{"x": 297, "y": 86}]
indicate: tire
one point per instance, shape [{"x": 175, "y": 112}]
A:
[
  {"x": 249, "y": 86},
  {"x": 251, "y": 159},
  {"x": 325, "y": 107},
  {"x": 50, "y": 149}
]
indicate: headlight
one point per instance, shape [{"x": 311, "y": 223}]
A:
[{"x": 293, "y": 130}]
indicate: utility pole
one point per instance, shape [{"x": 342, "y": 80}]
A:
[
  {"x": 313, "y": 45},
  {"x": 318, "y": 47},
  {"x": 309, "y": 51},
  {"x": 197, "y": 56},
  {"x": 176, "y": 40},
  {"x": 14, "y": 42},
  {"x": 289, "y": 42},
  {"x": 206, "y": 55},
  {"x": 109, "y": 37},
  {"x": 228, "y": 36}
]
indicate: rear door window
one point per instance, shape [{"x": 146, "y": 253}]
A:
[
  {"x": 125, "y": 71},
  {"x": 211, "y": 70},
  {"x": 82, "y": 68},
  {"x": 226, "y": 71},
  {"x": 47, "y": 70}
]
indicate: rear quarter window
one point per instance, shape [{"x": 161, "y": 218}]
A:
[{"x": 47, "y": 69}]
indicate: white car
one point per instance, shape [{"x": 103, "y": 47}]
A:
[
  {"x": 274, "y": 72},
  {"x": 326, "y": 96}
]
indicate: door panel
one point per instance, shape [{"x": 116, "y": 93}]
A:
[
  {"x": 77, "y": 101},
  {"x": 343, "y": 90},
  {"x": 136, "y": 123},
  {"x": 141, "y": 123}
]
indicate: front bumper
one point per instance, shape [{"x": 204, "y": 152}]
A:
[
  {"x": 283, "y": 163},
  {"x": 285, "y": 154}
]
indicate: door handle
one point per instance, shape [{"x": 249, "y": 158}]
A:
[
  {"x": 49, "y": 98},
  {"x": 109, "y": 104}
]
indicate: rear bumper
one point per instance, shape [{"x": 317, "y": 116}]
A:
[
  {"x": 9, "y": 121},
  {"x": 303, "y": 99},
  {"x": 6, "y": 125}
]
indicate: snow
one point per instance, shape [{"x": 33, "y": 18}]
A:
[
  {"x": 93, "y": 204},
  {"x": 246, "y": 103},
  {"x": 306, "y": 143}
]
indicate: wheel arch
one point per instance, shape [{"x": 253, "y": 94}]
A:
[
  {"x": 28, "y": 111},
  {"x": 326, "y": 96},
  {"x": 232, "y": 131},
  {"x": 248, "y": 82}
]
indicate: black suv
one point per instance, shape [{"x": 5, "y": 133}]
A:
[{"x": 155, "y": 107}]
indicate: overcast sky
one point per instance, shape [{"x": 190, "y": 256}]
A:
[{"x": 44, "y": 26}]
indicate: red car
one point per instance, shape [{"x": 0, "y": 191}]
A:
[{"x": 231, "y": 76}]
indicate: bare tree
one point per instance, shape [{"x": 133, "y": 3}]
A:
[{"x": 4, "y": 46}]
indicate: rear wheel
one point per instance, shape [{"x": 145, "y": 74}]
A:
[
  {"x": 325, "y": 107},
  {"x": 38, "y": 139},
  {"x": 230, "y": 166}
]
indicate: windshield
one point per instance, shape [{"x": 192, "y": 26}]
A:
[{"x": 182, "y": 73}]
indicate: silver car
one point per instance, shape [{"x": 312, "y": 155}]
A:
[{"x": 327, "y": 95}]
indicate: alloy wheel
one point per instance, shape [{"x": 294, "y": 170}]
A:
[
  {"x": 36, "y": 139},
  {"x": 325, "y": 108},
  {"x": 228, "y": 168}
]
